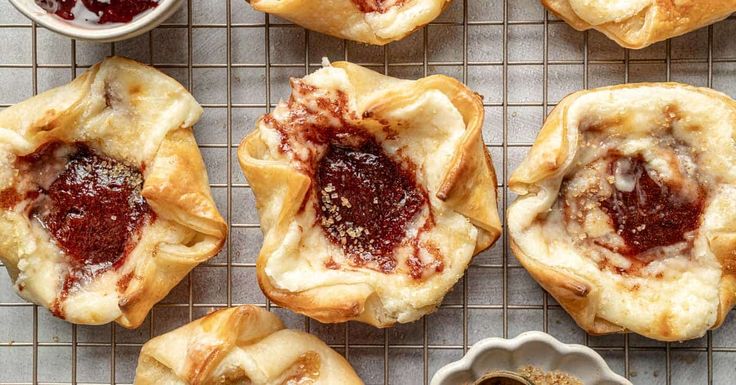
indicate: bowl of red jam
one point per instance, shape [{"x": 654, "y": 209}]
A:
[{"x": 98, "y": 20}]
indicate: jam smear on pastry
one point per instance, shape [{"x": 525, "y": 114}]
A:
[
  {"x": 619, "y": 205},
  {"x": 90, "y": 204},
  {"x": 94, "y": 207},
  {"x": 380, "y": 6},
  {"x": 651, "y": 213},
  {"x": 365, "y": 201},
  {"x": 109, "y": 11}
]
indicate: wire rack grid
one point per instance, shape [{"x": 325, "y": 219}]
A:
[{"x": 238, "y": 62}]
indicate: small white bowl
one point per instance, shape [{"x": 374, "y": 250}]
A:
[
  {"x": 532, "y": 348},
  {"x": 104, "y": 33}
]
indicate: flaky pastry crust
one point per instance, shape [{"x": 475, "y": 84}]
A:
[
  {"x": 677, "y": 298},
  {"x": 296, "y": 266},
  {"x": 240, "y": 345},
  {"x": 639, "y": 23},
  {"x": 136, "y": 115},
  {"x": 368, "y": 21}
]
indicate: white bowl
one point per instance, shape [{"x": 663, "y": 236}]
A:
[
  {"x": 532, "y": 348},
  {"x": 105, "y": 32}
]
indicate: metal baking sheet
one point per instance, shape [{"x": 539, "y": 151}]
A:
[{"x": 237, "y": 63}]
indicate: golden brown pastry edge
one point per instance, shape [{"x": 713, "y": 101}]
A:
[{"x": 671, "y": 21}]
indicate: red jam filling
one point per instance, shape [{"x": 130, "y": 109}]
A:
[
  {"x": 92, "y": 207},
  {"x": 364, "y": 198},
  {"x": 365, "y": 201},
  {"x": 380, "y": 6},
  {"x": 109, "y": 11},
  {"x": 653, "y": 214}
]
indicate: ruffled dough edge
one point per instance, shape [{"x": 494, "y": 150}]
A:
[
  {"x": 175, "y": 179},
  {"x": 194, "y": 351},
  {"x": 343, "y": 19},
  {"x": 659, "y": 21},
  {"x": 576, "y": 294},
  {"x": 468, "y": 187}
]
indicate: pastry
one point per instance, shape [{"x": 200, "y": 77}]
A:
[
  {"x": 374, "y": 194},
  {"x": 104, "y": 199},
  {"x": 640, "y": 23},
  {"x": 241, "y": 345},
  {"x": 627, "y": 209},
  {"x": 368, "y": 21}
]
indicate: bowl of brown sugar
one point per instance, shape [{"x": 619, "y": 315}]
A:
[{"x": 532, "y": 358}]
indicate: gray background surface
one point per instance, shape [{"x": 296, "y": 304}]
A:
[{"x": 520, "y": 58}]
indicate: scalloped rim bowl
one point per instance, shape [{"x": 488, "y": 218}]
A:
[
  {"x": 103, "y": 34},
  {"x": 531, "y": 348}
]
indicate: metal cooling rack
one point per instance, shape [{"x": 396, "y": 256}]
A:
[{"x": 237, "y": 63}]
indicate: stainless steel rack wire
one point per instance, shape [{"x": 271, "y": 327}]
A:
[{"x": 237, "y": 63}]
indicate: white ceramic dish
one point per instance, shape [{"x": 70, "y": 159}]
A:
[
  {"x": 103, "y": 33},
  {"x": 531, "y": 348}
]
